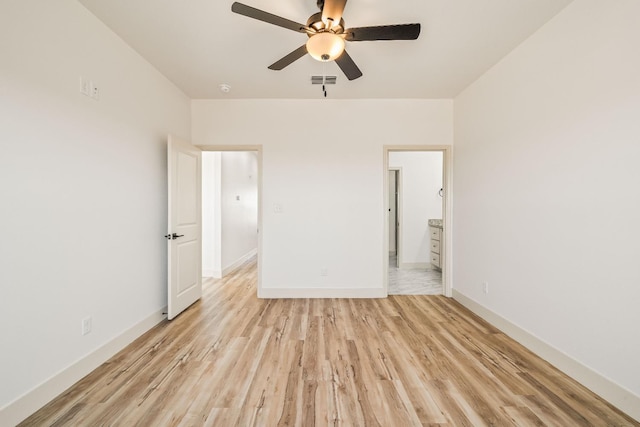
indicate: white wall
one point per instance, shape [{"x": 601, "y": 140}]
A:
[
  {"x": 83, "y": 190},
  {"x": 212, "y": 214},
  {"x": 239, "y": 207},
  {"x": 546, "y": 179},
  {"x": 421, "y": 180},
  {"x": 323, "y": 163}
]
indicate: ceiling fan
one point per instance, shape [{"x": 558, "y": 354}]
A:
[{"x": 327, "y": 34}]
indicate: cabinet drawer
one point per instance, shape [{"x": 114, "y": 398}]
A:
[
  {"x": 435, "y": 233},
  {"x": 435, "y": 259},
  {"x": 435, "y": 246}
]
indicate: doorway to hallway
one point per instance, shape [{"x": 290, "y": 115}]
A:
[{"x": 230, "y": 195}]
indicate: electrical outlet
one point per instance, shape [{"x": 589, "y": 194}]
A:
[
  {"x": 86, "y": 325},
  {"x": 324, "y": 271},
  {"x": 485, "y": 287}
]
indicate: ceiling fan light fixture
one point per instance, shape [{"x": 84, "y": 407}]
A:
[{"x": 325, "y": 46}]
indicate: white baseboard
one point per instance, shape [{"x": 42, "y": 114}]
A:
[
  {"x": 30, "y": 402},
  {"x": 237, "y": 263},
  {"x": 216, "y": 274},
  {"x": 278, "y": 293},
  {"x": 618, "y": 396}
]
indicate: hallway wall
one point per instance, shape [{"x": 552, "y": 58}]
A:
[{"x": 239, "y": 207}]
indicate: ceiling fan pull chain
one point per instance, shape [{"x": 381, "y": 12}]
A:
[{"x": 324, "y": 78}]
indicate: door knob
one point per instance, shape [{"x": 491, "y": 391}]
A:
[{"x": 173, "y": 236}]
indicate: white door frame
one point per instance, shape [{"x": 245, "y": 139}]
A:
[
  {"x": 258, "y": 150},
  {"x": 447, "y": 174}
]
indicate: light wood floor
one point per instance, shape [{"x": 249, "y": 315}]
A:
[{"x": 232, "y": 359}]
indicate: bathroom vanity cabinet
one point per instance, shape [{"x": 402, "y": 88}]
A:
[{"x": 436, "y": 243}]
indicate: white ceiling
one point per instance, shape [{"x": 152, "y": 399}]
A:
[{"x": 200, "y": 44}]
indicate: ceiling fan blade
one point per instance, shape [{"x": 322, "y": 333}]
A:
[
  {"x": 290, "y": 58},
  {"x": 267, "y": 17},
  {"x": 348, "y": 67},
  {"x": 332, "y": 10},
  {"x": 384, "y": 32}
]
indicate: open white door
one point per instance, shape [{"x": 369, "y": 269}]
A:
[{"x": 185, "y": 224}]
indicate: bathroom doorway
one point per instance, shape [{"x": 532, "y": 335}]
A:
[{"x": 415, "y": 196}]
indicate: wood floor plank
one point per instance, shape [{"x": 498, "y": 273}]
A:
[
  {"x": 426, "y": 407},
  {"x": 523, "y": 416},
  {"x": 232, "y": 359}
]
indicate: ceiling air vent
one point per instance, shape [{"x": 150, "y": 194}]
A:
[{"x": 323, "y": 80}]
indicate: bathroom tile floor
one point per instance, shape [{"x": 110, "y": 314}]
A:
[{"x": 426, "y": 281}]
